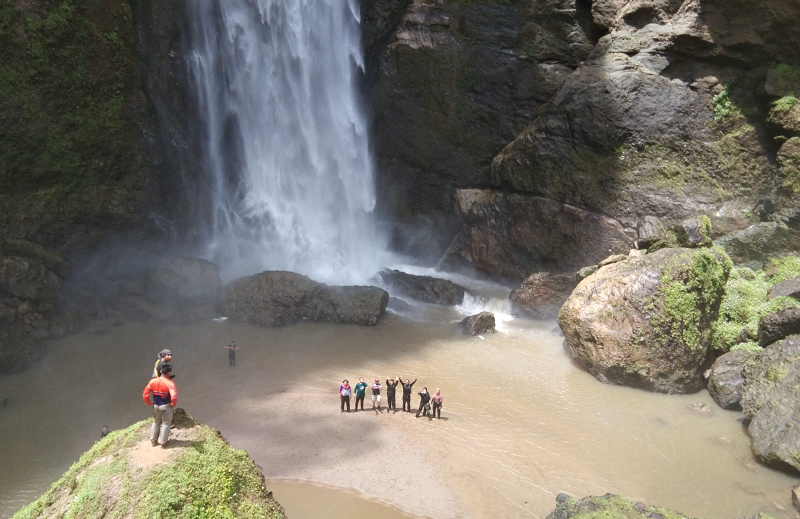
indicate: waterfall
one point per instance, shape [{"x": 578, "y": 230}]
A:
[{"x": 286, "y": 145}]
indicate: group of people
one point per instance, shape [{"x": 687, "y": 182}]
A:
[{"x": 428, "y": 404}]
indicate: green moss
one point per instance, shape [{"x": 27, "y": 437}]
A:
[
  {"x": 745, "y": 302},
  {"x": 208, "y": 479},
  {"x": 785, "y": 103},
  {"x": 747, "y": 346},
  {"x": 690, "y": 288},
  {"x": 777, "y": 373},
  {"x": 610, "y": 507}
]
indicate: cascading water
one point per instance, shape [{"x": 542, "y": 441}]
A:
[{"x": 286, "y": 147}]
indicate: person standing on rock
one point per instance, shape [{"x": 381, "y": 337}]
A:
[
  {"x": 232, "y": 347},
  {"x": 391, "y": 387},
  {"x": 424, "y": 402},
  {"x": 164, "y": 357},
  {"x": 376, "y": 394},
  {"x": 165, "y": 398},
  {"x": 407, "y": 392},
  {"x": 438, "y": 400},
  {"x": 344, "y": 394},
  {"x": 361, "y": 390}
]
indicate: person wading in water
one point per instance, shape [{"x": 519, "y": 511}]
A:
[
  {"x": 232, "y": 347},
  {"x": 344, "y": 394},
  {"x": 407, "y": 393}
]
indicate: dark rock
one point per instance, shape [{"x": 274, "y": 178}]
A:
[
  {"x": 504, "y": 234},
  {"x": 27, "y": 278},
  {"x": 645, "y": 321},
  {"x": 697, "y": 232},
  {"x": 727, "y": 377},
  {"x": 777, "y": 326},
  {"x": 478, "y": 324},
  {"x": 790, "y": 288},
  {"x": 185, "y": 281},
  {"x": 769, "y": 399},
  {"x": 760, "y": 242},
  {"x": 543, "y": 293},
  {"x": 280, "y": 298},
  {"x": 26, "y": 249},
  {"x": 423, "y": 288},
  {"x": 647, "y": 231},
  {"x": 562, "y": 497}
]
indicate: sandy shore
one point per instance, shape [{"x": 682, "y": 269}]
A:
[{"x": 385, "y": 456}]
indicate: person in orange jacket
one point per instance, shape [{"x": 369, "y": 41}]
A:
[{"x": 165, "y": 398}]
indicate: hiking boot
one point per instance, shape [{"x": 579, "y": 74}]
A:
[
  {"x": 154, "y": 443},
  {"x": 165, "y": 444}
]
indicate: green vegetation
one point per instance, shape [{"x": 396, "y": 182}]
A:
[
  {"x": 67, "y": 90},
  {"x": 785, "y": 103},
  {"x": 691, "y": 286},
  {"x": 784, "y": 78},
  {"x": 722, "y": 104},
  {"x": 207, "y": 479},
  {"x": 610, "y": 507},
  {"x": 745, "y": 302}
]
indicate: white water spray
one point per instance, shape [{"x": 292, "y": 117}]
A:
[{"x": 286, "y": 137}]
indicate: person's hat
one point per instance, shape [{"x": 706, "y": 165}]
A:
[{"x": 164, "y": 353}]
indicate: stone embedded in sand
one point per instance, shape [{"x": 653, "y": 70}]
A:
[
  {"x": 646, "y": 322},
  {"x": 279, "y": 298},
  {"x": 423, "y": 288},
  {"x": 478, "y": 324}
]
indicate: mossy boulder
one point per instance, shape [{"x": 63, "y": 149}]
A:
[
  {"x": 769, "y": 399},
  {"x": 646, "y": 321},
  {"x": 789, "y": 164},
  {"x": 122, "y": 475},
  {"x": 756, "y": 245},
  {"x": 610, "y": 506},
  {"x": 427, "y": 289}
]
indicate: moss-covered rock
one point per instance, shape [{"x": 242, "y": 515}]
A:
[
  {"x": 610, "y": 506},
  {"x": 199, "y": 476},
  {"x": 646, "y": 322}
]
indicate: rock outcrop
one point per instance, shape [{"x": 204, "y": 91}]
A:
[
  {"x": 185, "y": 281},
  {"x": 427, "y": 289},
  {"x": 727, "y": 377},
  {"x": 646, "y": 321},
  {"x": 758, "y": 243},
  {"x": 789, "y": 288},
  {"x": 769, "y": 400},
  {"x": 478, "y": 324},
  {"x": 779, "y": 325},
  {"x": 123, "y": 476},
  {"x": 610, "y": 505},
  {"x": 542, "y": 294},
  {"x": 279, "y": 298}
]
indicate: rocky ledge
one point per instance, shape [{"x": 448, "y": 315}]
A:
[
  {"x": 122, "y": 475},
  {"x": 616, "y": 507}
]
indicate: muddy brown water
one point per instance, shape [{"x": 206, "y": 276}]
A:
[{"x": 522, "y": 422}]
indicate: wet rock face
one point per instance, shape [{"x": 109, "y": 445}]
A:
[
  {"x": 727, "y": 377},
  {"x": 777, "y": 326},
  {"x": 760, "y": 242},
  {"x": 185, "y": 281},
  {"x": 512, "y": 235},
  {"x": 543, "y": 293},
  {"x": 790, "y": 288},
  {"x": 279, "y": 298},
  {"x": 769, "y": 400},
  {"x": 423, "y": 288},
  {"x": 646, "y": 321},
  {"x": 478, "y": 324}
]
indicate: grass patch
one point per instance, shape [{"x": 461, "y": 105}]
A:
[{"x": 723, "y": 107}]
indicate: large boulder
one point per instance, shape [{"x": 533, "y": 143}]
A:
[
  {"x": 27, "y": 278},
  {"x": 789, "y": 288},
  {"x": 543, "y": 293},
  {"x": 779, "y": 325},
  {"x": 727, "y": 377},
  {"x": 646, "y": 321},
  {"x": 478, "y": 324},
  {"x": 769, "y": 399},
  {"x": 423, "y": 288},
  {"x": 279, "y": 298},
  {"x": 185, "y": 281}
]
